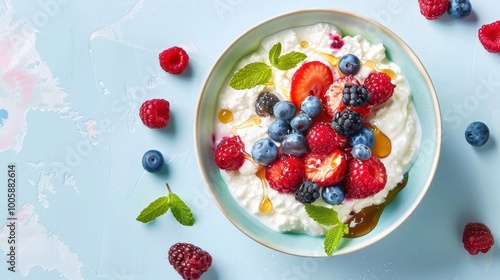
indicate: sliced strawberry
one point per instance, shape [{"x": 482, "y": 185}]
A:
[
  {"x": 366, "y": 178},
  {"x": 285, "y": 173},
  {"x": 326, "y": 170},
  {"x": 332, "y": 99},
  {"x": 312, "y": 78}
]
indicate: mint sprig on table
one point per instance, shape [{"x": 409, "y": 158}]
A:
[
  {"x": 328, "y": 217},
  {"x": 182, "y": 213},
  {"x": 259, "y": 73}
]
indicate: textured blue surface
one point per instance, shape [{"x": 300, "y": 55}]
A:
[{"x": 79, "y": 174}]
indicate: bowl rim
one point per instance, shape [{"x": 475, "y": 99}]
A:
[{"x": 417, "y": 63}]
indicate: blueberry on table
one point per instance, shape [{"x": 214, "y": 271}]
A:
[
  {"x": 152, "y": 161},
  {"x": 459, "y": 8},
  {"x": 477, "y": 134}
]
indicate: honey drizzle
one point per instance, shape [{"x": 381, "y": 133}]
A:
[
  {"x": 383, "y": 146},
  {"x": 265, "y": 205},
  {"x": 253, "y": 121},
  {"x": 365, "y": 220}
]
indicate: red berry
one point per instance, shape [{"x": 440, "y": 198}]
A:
[
  {"x": 477, "y": 238},
  {"x": 285, "y": 174},
  {"x": 155, "y": 113},
  {"x": 321, "y": 138},
  {"x": 489, "y": 36},
  {"x": 433, "y": 9},
  {"x": 380, "y": 87},
  {"x": 332, "y": 99},
  {"x": 174, "y": 60},
  {"x": 312, "y": 78},
  {"x": 326, "y": 170},
  {"x": 366, "y": 178},
  {"x": 188, "y": 260},
  {"x": 229, "y": 154}
]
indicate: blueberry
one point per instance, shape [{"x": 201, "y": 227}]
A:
[
  {"x": 295, "y": 144},
  {"x": 477, "y": 134},
  {"x": 361, "y": 152},
  {"x": 333, "y": 195},
  {"x": 284, "y": 109},
  {"x": 264, "y": 151},
  {"x": 349, "y": 64},
  {"x": 152, "y": 161},
  {"x": 363, "y": 136},
  {"x": 301, "y": 122},
  {"x": 459, "y": 8},
  {"x": 278, "y": 129},
  {"x": 311, "y": 106}
]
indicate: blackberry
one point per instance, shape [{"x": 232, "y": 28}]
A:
[
  {"x": 265, "y": 103},
  {"x": 307, "y": 192},
  {"x": 347, "y": 122},
  {"x": 354, "y": 95}
]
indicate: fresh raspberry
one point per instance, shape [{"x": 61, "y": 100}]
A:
[
  {"x": 285, "y": 174},
  {"x": 477, "y": 238},
  {"x": 174, "y": 60},
  {"x": 380, "y": 87},
  {"x": 326, "y": 170},
  {"x": 433, "y": 9},
  {"x": 188, "y": 260},
  {"x": 365, "y": 178},
  {"x": 229, "y": 154},
  {"x": 489, "y": 36},
  {"x": 321, "y": 138},
  {"x": 332, "y": 99},
  {"x": 155, "y": 113}
]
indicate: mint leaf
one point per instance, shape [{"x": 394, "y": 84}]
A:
[
  {"x": 181, "y": 211},
  {"x": 154, "y": 210},
  {"x": 274, "y": 54},
  {"x": 333, "y": 237},
  {"x": 287, "y": 61},
  {"x": 323, "y": 215},
  {"x": 251, "y": 75}
]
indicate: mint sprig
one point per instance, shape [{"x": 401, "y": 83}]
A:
[
  {"x": 328, "y": 217},
  {"x": 259, "y": 73},
  {"x": 181, "y": 212}
]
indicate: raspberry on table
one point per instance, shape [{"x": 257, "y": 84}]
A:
[
  {"x": 229, "y": 153},
  {"x": 433, "y": 9},
  {"x": 188, "y": 260},
  {"x": 380, "y": 87},
  {"x": 489, "y": 36},
  {"x": 155, "y": 113},
  {"x": 174, "y": 60},
  {"x": 477, "y": 238}
]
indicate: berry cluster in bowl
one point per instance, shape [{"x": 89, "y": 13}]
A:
[{"x": 315, "y": 124}]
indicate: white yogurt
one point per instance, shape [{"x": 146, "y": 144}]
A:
[{"x": 396, "y": 118}]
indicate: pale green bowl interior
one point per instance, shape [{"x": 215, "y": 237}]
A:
[{"x": 424, "y": 97}]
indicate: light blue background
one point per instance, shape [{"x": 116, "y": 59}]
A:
[{"x": 107, "y": 80}]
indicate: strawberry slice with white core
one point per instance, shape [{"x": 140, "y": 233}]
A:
[
  {"x": 312, "y": 78},
  {"x": 326, "y": 170}
]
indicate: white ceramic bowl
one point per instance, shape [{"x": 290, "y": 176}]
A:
[{"x": 424, "y": 98}]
